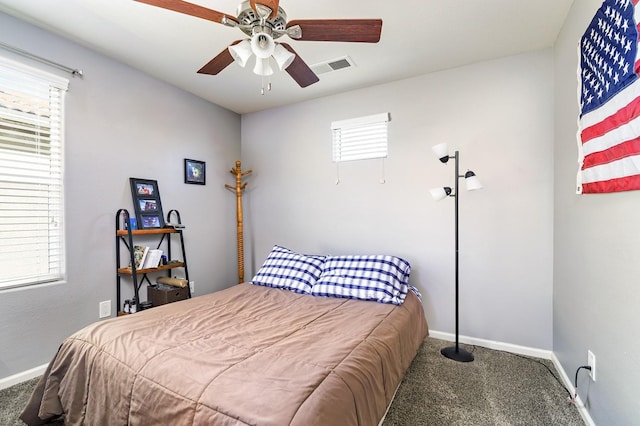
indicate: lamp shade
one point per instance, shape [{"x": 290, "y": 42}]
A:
[
  {"x": 241, "y": 52},
  {"x": 283, "y": 57},
  {"x": 471, "y": 180},
  {"x": 263, "y": 67},
  {"x": 440, "y": 193},
  {"x": 262, "y": 45},
  {"x": 442, "y": 151}
]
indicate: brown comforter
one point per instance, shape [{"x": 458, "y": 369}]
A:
[{"x": 247, "y": 355}]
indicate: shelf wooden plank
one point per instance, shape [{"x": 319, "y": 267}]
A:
[
  {"x": 124, "y": 232},
  {"x": 128, "y": 271}
]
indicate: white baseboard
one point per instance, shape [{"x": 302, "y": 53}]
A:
[
  {"x": 584, "y": 413},
  {"x": 521, "y": 350},
  {"x": 491, "y": 344},
  {"x": 22, "y": 377}
]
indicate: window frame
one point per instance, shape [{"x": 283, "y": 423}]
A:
[
  {"x": 32, "y": 183},
  {"x": 362, "y": 138}
]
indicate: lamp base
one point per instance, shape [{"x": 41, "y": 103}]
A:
[{"x": 457, "y": 354}]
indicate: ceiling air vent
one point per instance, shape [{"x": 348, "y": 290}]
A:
[{"x": 333, "y": 65}]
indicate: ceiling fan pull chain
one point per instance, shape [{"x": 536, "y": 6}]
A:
[{"x": 268, "y": 86}]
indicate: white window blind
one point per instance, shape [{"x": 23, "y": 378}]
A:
[
  {"x": 360, "y": 138},
  {"x": 31, "y": 175}
]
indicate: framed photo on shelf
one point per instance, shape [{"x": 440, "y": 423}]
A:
[
  {"x": 194, "y": 172},
  {"x": 146, "y": 203},
  {"x": 151, "y": 221}
]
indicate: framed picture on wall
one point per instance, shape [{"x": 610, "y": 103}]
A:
[
  {"x": 147, "y": 204},
  {"x": 194, "y": 172}
]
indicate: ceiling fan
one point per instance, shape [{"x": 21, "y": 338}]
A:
[{"x": 264, "y": 21}]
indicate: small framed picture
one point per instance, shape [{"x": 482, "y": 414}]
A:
[
  {"x": 150, "y": 221},
  {"x": 146, "y": 188},
  {"x": 194, "y": 172},
  {"x": 147, "y": 204}
]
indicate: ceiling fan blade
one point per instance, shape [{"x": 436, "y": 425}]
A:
[
  {"x": 299, "y": 70},
  {"x": 191, "y": 9},
  {"x": 220, "y": 62},
  {"x": 349, "y": 30}
]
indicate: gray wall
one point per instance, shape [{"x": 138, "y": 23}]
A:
[
  {"x": 120, "y": 123},
  {"x": 596, "y": 252},
  {"x": 499, "y": 115}
]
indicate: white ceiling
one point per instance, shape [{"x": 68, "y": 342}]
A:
[{"x": 418, "y": 37}]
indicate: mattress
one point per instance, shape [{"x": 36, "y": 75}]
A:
[{"x": 247, "y": 355}]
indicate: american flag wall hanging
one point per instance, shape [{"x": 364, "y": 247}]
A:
[{"x": 609, "y": 91}]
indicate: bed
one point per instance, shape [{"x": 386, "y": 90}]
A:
[{"x": 247, "y": 355}]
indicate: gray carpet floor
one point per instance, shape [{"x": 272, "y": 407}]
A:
[
  {"x": 496, "y": 389},
  {"x": 13, "y": 400}
]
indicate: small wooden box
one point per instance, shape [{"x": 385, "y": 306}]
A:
[{"x": 163, "y": 295}]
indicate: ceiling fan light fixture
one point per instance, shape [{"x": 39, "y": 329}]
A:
[
  {"x": 241, "y": 52},
  {"x": 283, "y": 57},
  {"x": 263, "y": 67},
  {"x": 262, "y": 45}
]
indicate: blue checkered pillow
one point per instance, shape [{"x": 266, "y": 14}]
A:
[
  {"x": 289, "y": 270},
  {"x": 379, "y": 278}
]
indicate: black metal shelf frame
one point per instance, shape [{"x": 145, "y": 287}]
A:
[{"x": 126, "y": 237}]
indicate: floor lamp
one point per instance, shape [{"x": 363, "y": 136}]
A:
[{"x": 442, "y": 151}]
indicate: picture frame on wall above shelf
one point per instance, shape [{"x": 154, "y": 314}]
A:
[
  {"x": 195, "y": 172},
  {"x": 147, "y": 203}
]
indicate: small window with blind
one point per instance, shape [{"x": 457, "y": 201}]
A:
[
  {"x": 360, "y": 138},
  {"x": 31, "y": 175}
]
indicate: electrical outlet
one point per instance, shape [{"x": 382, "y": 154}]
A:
[
  {"x": 591, "y": 362},
  {"x": 192, "y": 287},
  {"x": 105, "y": 309}
]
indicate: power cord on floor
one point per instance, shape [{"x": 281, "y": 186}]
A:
[
  {"x": 548, "y": 369},
  {"x": 574, "y": 398},
  {"x": 545, "y": 366}
]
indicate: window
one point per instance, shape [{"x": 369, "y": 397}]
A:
[
  {"x": 360, "y": 138},
  {"x": 31, "y": 175}
]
